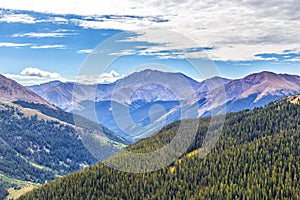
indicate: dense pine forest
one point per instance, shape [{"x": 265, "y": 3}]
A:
[
  {"x": 73, "y": 119},
  {"x": 257, "y": 157}
]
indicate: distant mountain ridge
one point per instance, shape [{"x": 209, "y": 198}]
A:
[
  {"x": 137, "y": 90},
  {"x": 142, "y": 86},
  {"x": 265, "y": 83},
  {"x": 257, "y": 90}
]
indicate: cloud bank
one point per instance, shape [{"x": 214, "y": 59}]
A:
[{"x": 237, "y": 30}]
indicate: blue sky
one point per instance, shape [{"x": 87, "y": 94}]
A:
[{"x": 44, "y": 41}]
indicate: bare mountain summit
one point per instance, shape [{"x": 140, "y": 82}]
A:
[{"x": 11, "y": 91}]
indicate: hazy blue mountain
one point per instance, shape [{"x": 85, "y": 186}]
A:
[
  {"x": 139, "y": 91},
  {"x": 136, "y": 122},
  {"x": 147, "y": 86},
  {"x": 59, "y": 93}
]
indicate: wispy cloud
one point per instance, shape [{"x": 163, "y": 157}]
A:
[
  {"x": 124, "y": 52},
  {"x": 247, "y": 52},
  {"x": 128, "y": 23},
  {"x": 21, "y": 18},
  {"x": 86, "y": 51},
  {"x": 295, "y": 59},
  {"x": 42, "y": 35},
  {"x": 9, "y": 44},
  {"x": 56, "y": 46},
  {"x": 32, "y": 46},
  {"x": 11, "y": 17}
]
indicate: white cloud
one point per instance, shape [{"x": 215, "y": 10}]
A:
[
  {"x": 18, "y": 45},
  {"x": 244, "y": 52},
  {"x": 31, "y": 71},
  {"x": 9, "y": 44},
  {"x": 104, "y": 78},
  {"x": 296, "y": 59},
  {"x": 117, "y": 22},
  {"x": 56, "y": 46},
  {"x": 22, "y": 18},
  {"x": 78, "y": 7},
  {"x": 125, "y": 52},
  {"x": 86, "y": 51},
  {"x": 10, "y": 17},
  {"x": 32, "y": 76},
  {"x": 238, "y": 30},
  {"x": 42, "y": 35}
]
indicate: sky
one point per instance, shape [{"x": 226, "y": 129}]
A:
[{"x": 95, "y": 41}]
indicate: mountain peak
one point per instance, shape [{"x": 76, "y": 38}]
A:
[
  {"x": 265, "y": 84},
  {"x": 148, "y": 72},
  {"x": 11, "y": 91},
  {"x": 262, "y": 74},
  {"x": 267, "y": 73}
]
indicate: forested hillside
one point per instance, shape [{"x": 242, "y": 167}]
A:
[
  {"x": 257, "y": 157},
  {"x": 38, "y": 143},
  {"x": 34, "y": 149},
  {"x": 73, "y": 119}
]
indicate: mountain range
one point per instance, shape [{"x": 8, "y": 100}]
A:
[
  {"x": 130, "y": 99},
  {"x": 39, "y": 141}
]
